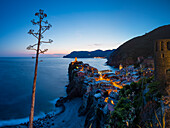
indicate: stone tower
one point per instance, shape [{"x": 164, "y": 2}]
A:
[{"x": 162, "y": 63}]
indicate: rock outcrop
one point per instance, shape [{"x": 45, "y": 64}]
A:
[
  {"x": 75, "y": 88},
  {"x": 91, "y": 107}
]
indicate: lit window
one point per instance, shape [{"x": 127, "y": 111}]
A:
[{"x": 162, "y": 55}]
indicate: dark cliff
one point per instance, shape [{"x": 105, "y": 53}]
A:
[
  {"x": 128, "y": 52},
  {"x": 75, "y": 88},
  {"x": 87, "y": 54}
]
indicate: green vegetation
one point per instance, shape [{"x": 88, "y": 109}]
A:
[
  {"x": 124, "y": 112},
  {"x": 153, "y": 93},
  {"x": 135, "y": 100}
]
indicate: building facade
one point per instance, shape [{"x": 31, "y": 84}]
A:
[{"x": 162, "y": 63}]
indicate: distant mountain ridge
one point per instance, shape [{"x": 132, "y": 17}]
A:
[
  {"x": 89, "y": 54},
  {"x": 128, "y": 52}
]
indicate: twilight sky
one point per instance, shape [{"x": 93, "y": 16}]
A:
[{"x": 79, "y": 24}]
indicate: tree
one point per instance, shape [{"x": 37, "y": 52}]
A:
[{"x": 41, "y": 15}]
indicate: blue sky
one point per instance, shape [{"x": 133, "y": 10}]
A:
[{"x": 79, "y": 24}]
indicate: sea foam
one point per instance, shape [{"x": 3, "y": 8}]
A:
[{"x": 19, "y": 121}]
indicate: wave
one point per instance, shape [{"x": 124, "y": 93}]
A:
[
  {"x": 26, "y": 119},
  {"x": 19, "y": 121},
  {"x": 55, "y": 100}
]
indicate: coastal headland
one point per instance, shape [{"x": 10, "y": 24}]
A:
[{"x": 94, "y": 97}]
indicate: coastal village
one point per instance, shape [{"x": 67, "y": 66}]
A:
[
  {"x": 103, "y": 87},
  {"x": 106, "y": 84},
  {"x": 106, "y": 94}
]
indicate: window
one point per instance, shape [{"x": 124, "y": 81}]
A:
[
  {"x": 162, "y": 55},
  {"x": 168, "y": 71},
  {"x": 162, "y": 46},
  {"x": 168, "y": 45}
]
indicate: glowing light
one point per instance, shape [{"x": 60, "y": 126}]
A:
[
  {"x": 107, "y": 79},
  {"x": 112, "y": 102},
  {"x": 75, "y": 59},
  {"x": 109, "y": 91},
  {"x": 100, "y": 77},
  {"x": 116, "y": 85},
  {"x": 120, "y": 66},
  {"x": 106, "y": 99},
  {"x": 127, "y": 123},
  {"x": 82, "y": 69}
]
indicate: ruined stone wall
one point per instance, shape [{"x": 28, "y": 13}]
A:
[{"x": 162, "y": 63}]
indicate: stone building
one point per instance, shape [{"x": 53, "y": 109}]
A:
[{"x": 162, "y": 63}]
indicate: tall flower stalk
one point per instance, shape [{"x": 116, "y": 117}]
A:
[{"x": 39, "y": 35}]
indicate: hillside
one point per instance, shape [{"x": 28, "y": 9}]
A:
[
  {"x": 139, "y": 46},
  {"x": 89, "y": 54}
]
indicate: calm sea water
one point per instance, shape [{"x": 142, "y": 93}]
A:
[{"x": 16, "y": 80}]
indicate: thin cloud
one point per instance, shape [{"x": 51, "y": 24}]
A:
[{"x": 97, "y": 44}]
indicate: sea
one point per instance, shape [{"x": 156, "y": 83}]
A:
[{"x": 16, "y": 81}]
